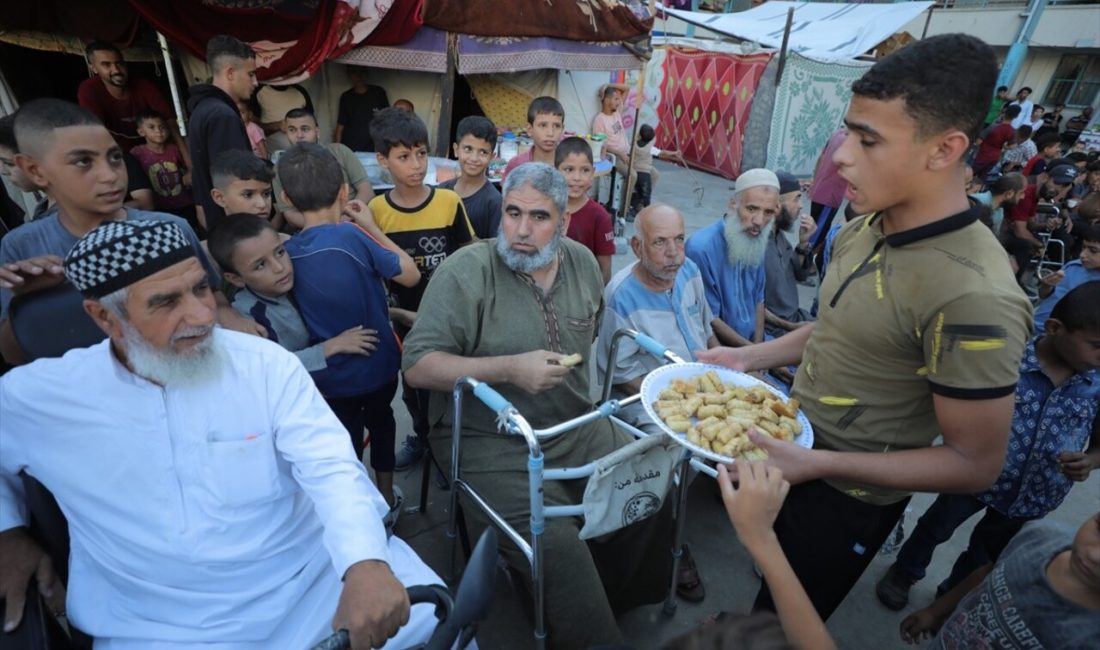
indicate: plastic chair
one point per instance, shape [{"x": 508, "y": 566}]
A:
[
  {"x": 51, "y": 322},
  {"x": 513, "y": 423}
]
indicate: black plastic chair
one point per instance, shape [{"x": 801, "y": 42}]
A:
[{"x": 51, "y": 322}]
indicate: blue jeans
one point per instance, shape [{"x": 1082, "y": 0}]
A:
[{"x": 990, "y": 536}]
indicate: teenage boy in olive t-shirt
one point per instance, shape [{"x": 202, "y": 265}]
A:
[{"x": 921, "y": 327}]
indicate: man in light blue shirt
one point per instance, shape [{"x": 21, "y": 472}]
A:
[
  {"x": 661, "y": 295},
  {"x": 730, "y": 257}
]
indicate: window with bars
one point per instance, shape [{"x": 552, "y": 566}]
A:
[{"x": 1076, "y": 82}]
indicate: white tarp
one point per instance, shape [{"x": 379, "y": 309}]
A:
[{"x": 820, "y": 30}]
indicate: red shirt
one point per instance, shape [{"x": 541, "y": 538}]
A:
[
  {"x": 118, "y": 114},
  {"x": 1025, "y": 207},
  {"x": 990, "y": 148},
  {"x": 165, "y": 171},
  {"x": 591, "y": 226}
]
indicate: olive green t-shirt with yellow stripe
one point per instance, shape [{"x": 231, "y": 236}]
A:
[{"x": 932, "y": 310}]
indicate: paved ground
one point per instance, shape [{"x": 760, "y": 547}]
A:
[{"x": 861, "y": 622}]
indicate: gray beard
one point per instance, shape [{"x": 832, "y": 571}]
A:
[
  {"x": 742, "y": 249},
  {"x": 528, "y": 262},
  {"x": 169, "y": 368}
]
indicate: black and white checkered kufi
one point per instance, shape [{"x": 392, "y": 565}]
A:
[{"x": 117, "y": 254}]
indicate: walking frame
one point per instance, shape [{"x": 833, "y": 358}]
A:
[{"x": 513, "y": 423}]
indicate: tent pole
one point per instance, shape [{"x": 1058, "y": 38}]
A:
[
  {"x": 628, "y": 187},
  {"x": 180, "y": 121},
  {"x": 783, "y": 48},
  {"x": 446, "y": 105}
]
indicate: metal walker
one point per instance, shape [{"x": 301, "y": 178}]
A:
[{"x": 513, "y": 423}]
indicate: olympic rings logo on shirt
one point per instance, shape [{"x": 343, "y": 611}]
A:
[{"x": 433, "y": 244}]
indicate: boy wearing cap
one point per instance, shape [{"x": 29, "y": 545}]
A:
[
  {"x": 730, "y": 255},
  {"x": 920, "y": 331},
  {"x": 66, "y": 151}
]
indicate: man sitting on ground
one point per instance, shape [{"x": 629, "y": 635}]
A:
[
  {"x": 661, "y": 295},
  {"x": 785, "y": 265},
  {"x": 227, "y": 505},
  {"x": 730, "y": 254},
  {"x": 507, "y": 311}
]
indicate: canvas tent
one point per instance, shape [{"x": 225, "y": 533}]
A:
[{"x": 821, "y": 30}]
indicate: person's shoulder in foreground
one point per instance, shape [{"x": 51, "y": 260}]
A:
[{"x": 1043, "y": 592}]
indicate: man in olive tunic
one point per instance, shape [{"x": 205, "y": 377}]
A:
[{"x": 505, "y": 311}]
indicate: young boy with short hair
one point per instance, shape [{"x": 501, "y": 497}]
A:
[
  {"x": 1075, "y": 273},
  {"x": 340, "y": 269},
  {"x": 1057, "y": 407},
  {"x": 242, "y": 183},
  {"x": 1043, "y": 593},
  {"x": 545, "y": 121},
  {"x": 430, "y": 223},
  {"x": 1022, "y": 150},
  {"x": 8, "y": 168},
  {"x": 300, "y": 125},
  {"x": 253, "y": 258},
  {"x": 163, "y": 164},
  {"x": 66, "y": 151},
  {"x": 1049, "y": 147},
  {"x": 909, "y": 373},
  {"x": 588, "y": 221},
  {"x": 476, "y": 137}
]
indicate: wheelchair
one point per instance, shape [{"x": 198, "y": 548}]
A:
[
  {"x": 513, "y": 423},
  {"x": 457, "y": 615}
]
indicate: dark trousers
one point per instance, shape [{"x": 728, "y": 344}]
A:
[
  {"x": 371, "y": 411},
  {"x": 416, "y": 401},
  {"x": 829, "y": 539},
  {"x": 938, "y": 523},
  {"x": 823, "y": 216},
  {"x": 643, "y": 191}
]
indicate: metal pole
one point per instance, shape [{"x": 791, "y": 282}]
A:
[
  {"x": 180, "y": 121},
  {"x": 927, "y": 20},
  {"x": 783, "y": 48}
]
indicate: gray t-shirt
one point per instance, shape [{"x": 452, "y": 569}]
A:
[
  {"x": 482, "y": 208},
  {"x": 1015, "y": 606},
  {"x": 46, "y": 236}
]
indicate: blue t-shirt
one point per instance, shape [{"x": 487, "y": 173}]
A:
[
  {"x": 1047, "y": 421},
  {"x": 339, "y": 274},
  {"x": 733, "y": 290},
  {"x": 1076, "y": 275}
]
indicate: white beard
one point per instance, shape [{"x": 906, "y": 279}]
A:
[
  {"x": 741, "y": 248},
  {"x": 170, "y": 368}
]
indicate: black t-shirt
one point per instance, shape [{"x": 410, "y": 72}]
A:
[
  {"x": 356, "y": 112},
  {"x": 136, "y": 177}
]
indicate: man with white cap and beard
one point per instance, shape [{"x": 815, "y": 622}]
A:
[
  {"x": 730, "y": 255},
  {"x": 212, "y": 497},
  {"x": 786, "y": 265}
]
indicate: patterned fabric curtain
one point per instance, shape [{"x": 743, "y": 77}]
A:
[
  {"x": 810, "y": 103},
  {"x": 705, "y": 103}
]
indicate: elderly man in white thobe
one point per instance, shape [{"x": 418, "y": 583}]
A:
[{"x": 212, "y": 497}]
